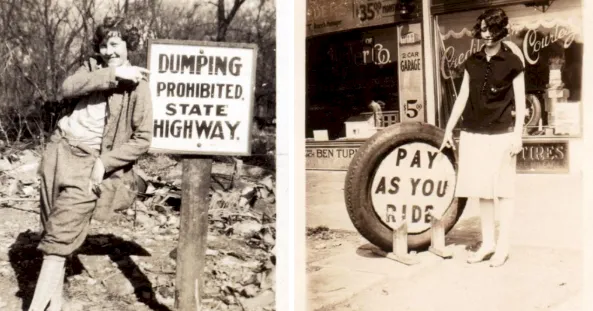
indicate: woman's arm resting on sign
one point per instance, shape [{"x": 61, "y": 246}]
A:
[
  {"x": 85, "y": 81},
  {"x": 520, "y": 110},
  {"x": 131, "y": 73},
  {"x": 456, "y": 112},
  {"x": 139, "y": 142}
]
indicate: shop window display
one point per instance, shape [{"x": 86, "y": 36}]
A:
[
  {"x": 551, "y": 45},
  {"x": 346, "y": 73}
]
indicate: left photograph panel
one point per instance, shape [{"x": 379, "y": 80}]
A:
[{"x": 138, "y": 155}]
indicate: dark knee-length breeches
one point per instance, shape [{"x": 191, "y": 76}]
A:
[{"x": 67, "y": 205}]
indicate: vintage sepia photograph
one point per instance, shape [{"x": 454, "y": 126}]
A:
[
  {"x": 138, "y": 155},
  {"x": 444, "y": 153}
]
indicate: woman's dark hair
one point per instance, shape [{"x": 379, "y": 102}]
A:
[
  {"x": 115, "y": 26},
  {"x": 496, "y": 21}
]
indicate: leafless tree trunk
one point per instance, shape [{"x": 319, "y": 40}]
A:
[{"x": 224, "y": 20}]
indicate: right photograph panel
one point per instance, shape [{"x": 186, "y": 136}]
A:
[{"x": 443, "y": 155}]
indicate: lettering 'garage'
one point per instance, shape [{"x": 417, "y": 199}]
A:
[{"x": 410, "y": 61}]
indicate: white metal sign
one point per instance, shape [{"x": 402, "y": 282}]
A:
[
  {"x": 202, "y": 96},
  {"x": 415, "y": 181},
  {"x": 411, "y": 80}
]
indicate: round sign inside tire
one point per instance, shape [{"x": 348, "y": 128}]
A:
[{"x": 399, "y": 175}]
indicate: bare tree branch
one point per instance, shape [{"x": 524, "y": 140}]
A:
[{"x": 225, "y": 20}]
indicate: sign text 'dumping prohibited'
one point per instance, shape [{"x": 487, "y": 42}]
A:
[
  {"x": 202, "y": 97},
  {"x": 414, "y": 182}
]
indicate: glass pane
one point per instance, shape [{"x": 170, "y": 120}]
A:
[{"x": 551, "y": 45}]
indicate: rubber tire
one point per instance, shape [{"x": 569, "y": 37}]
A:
[
  {"x": 537, "y": 109},
  {"x": 357, "y": 189}
]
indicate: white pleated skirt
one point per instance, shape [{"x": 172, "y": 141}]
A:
[{"x": 486, "y": 168}]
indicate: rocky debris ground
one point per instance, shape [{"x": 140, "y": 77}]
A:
[{"x": 129, "y": 262}]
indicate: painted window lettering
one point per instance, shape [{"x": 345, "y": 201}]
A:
[
  {"x": 532, "y": 44},
  {"x": 383, "y": 56},
  {"x": 378, "y": 55}
]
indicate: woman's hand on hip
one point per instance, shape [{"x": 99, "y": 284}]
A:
[
  {"x": 516, "y": 144},
  {"x": 97, "y": 177},
  {"x": 131, "y": 73},
  {"x": 447, "y": 141}
]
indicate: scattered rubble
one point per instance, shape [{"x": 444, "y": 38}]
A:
[{"x": 131, "y": 258}]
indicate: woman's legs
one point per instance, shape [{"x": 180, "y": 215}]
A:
[
  {"x": 488, "y": 231},
  {"x": 503, "y": 244},
  {"x": 65, "y": 217}
]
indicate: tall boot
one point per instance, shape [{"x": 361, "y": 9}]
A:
[
  {"x": 57, "y": 299},
  {"x": 50, "y": 277}
]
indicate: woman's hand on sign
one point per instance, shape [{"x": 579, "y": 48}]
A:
[
  {"x": 97, "y": 177},
  {"x": 131, "y": 73},
  {"x": 447, "y": 141},
  {"x": 516, "y": 144}
]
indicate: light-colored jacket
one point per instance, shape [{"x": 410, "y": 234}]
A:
[{"x": 127, "y": 133}]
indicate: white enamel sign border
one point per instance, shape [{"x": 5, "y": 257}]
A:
[{"x": 204, "y": 106}]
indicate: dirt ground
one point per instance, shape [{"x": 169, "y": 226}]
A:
[
  {"x": 129, "y": 262},
  {"x": 322, "y": 242}
]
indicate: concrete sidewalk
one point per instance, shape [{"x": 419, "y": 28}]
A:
[
  {"x": 543, "y": 202},
  {"x": 543, "y": 273},
  {"x": 533, "y": 279}
]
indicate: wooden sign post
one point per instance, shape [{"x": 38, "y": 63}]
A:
[
  {"x": 202, "y": 96},
  {"x": 437, "y": 240},
  {"x": 193, "y": 229},
  {"x": 400, "y": 246}
]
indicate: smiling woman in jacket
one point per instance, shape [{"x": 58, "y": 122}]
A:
[{"x": 86, "y": 171}]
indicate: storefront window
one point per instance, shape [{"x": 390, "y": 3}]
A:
[
  {"x": 552, "y": 48},
  {"x": 345, "y": 73}
]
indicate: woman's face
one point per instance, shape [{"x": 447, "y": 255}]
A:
[
  {"x": 114, "y": 51},
  {"x": 487, "y": 35}
]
